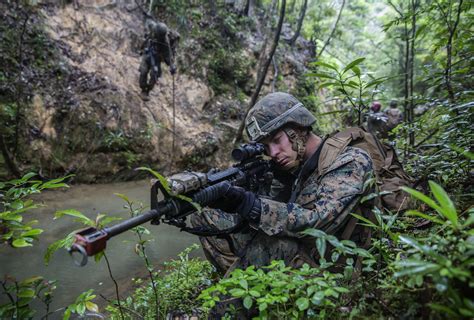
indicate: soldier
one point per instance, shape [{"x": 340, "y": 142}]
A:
[
  {"x": 160, "y": 45},
  {"x": 377, "y": 121},
  {"x": 394, "y": 115},
  {"x": 269, "y": 228}
]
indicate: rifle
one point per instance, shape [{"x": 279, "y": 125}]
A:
[{"x": 166, "y": 204}]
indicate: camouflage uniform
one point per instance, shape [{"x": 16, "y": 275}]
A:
[
  {"x": 160, "y": 45},
  {"x": 323, "y": 202}
]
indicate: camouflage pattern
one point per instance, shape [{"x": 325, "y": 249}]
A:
[
  {"x": 160, "y": 46},
  {"x": 273, "y": 112},
  {"x": 322, "y": 202}
]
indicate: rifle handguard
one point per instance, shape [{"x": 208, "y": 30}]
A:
[{"x": 211, "y": 193}]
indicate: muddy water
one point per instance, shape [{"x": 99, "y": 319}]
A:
[{"x": 73, "y": 280}]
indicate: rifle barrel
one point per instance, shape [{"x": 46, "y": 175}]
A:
[{"x": 135, "y": 221}]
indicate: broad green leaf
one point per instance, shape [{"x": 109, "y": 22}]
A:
[
  {"x": 237, "y": 292},
  {"x": 26, "y": 293},
  {"x": 244, "y": 284},
  {"x": 424, "y": 216},
  {"x": 248, "y": 302},
  {"x": 422, "y": 268},
  {"x": 81, "y": 308},
  {"x": 302, "y": 303},
  {"x": 352, "y": 64},
  {"x": 356, "y": 70},
  {"x": 321, "y": 246},
  {"x": 67, "y": 314},
  {"x": 91, "y": 306},
  {"x": 123, "y": 197},
  {"x": 31, "y": 280},
  {"x": 163, "y": 180},
  {"x": 423, "y": 248},
  {"x": 326, "y": 65},
  {"x": 341, "y": 289},
  {"x": 254, "y": 293},
  {"x": 28, "y": 176},
  {"x": 314, "y": 233},
  {"x": 55, "y": 246},
  {"x": 367, "y": 221},
  {"x": 33, "y": 232},
  {"x": 425, "y": 199},
  {"x": 19, "y": 243},
  {"x": 74, "y": 213},
  {"x": 449, "y": 211},
  {"x": 196, "y": 205}
]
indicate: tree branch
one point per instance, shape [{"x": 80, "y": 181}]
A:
[
  {"x": 263, "y": 74},
  {"x": 333, "y": 30}
]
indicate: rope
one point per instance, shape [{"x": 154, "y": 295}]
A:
[{"x": 174, "y": 126}]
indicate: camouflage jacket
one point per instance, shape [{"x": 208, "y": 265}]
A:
[{"x": 324, "y": 202}]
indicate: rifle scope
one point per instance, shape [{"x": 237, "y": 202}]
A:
[{"x": 247, "y": 151}]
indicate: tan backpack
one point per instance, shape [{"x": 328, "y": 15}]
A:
[
  {"x": 394, "y": 117},
  {"x": 389, "y": 172}
]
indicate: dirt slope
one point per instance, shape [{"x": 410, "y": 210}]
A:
[{"x": 86, "y": 116}]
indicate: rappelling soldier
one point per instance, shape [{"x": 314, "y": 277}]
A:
[{"x": 159, "y": 46}]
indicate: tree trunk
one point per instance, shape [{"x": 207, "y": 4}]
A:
[
  {"x": 263, "y": 73},
  {"x": 8, "y": 159},
  {"x": 414, "y": 6},
  {"x": 300, "y": 23},
  {"x": 333, "y": 29},
  {"x": 406, "y": 72},
  {"x": 449, "y": 52}
]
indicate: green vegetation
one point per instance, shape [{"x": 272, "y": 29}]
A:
[
  {"x": 177, "y": 286},
  {"x": 419, "y": 263}
]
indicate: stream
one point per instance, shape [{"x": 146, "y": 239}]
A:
[{"x": 125, "y": 263}]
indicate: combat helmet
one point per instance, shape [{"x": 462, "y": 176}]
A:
[{"x": 273, "y": 112}]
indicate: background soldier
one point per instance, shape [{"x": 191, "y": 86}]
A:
[
  {"x": 377, "y": 121},
  {"x": 160, "y": 45},
  {"x": 270, "y": 227},
  {"x": 394, "y": 115}
]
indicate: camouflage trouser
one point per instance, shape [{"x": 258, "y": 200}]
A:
[
  {"x": 148, "y": 76},
  {"x": 248, "y": 246}
]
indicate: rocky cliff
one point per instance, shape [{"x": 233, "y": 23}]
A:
[{"x": 83, "y": 113}]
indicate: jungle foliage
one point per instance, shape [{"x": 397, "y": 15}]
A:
[{"x": 419, "y": 264}]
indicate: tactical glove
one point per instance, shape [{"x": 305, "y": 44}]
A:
[
  {"x": 237, "y": 200},
  {"x": 173, "y": 69}
]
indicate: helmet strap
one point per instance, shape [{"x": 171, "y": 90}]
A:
[{"x": 298, "y": 139}]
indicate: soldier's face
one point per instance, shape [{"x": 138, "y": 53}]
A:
[{"x": 279, "y": 148}]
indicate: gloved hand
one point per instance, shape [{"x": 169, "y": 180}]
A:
[
  {"x": 237, "y": 200},
  {"x": 173, "y": 69}
]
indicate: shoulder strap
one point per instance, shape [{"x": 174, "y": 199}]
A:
[{"x": 334, "y": 146}]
